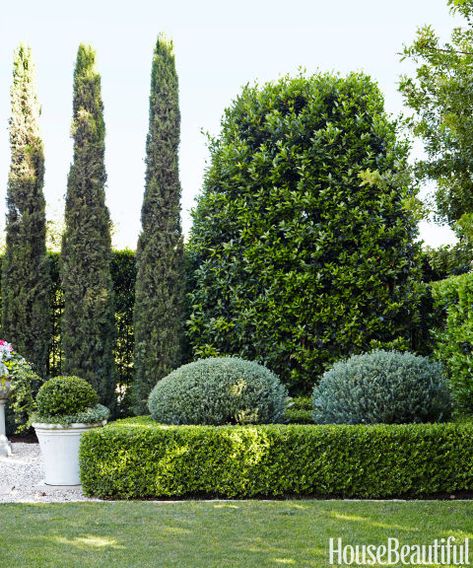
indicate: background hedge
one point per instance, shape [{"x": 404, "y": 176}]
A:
[
  {"x": 454, "y": 337},
  {"x": 304, "y": 237},
  {"x": 123, "y": 276},
  {"x": 136, "y": 458}
]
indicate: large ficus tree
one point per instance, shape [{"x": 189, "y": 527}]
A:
[
  {"x": 159, "y": 313},
  {"x": 25, "y": 282},
  {"x": 304, "y": 237},
  {"x": 88, "y": 320},
  {"x": 441, "y": 95}
]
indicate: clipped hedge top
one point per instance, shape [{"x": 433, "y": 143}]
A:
[{"x": 145, "y": 423}]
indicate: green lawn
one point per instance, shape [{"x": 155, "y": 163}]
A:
[{"x": 216, "y": 534}]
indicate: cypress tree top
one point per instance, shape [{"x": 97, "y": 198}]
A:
[
  {"x": 88, "y": 322},
  {"x": 25, "y": 285},
  {"x": 161, "y": 203},
  {"x": 88, "y": 126},
  {"x": 159, "y": 289},
  {"x": 26, "y": 110}
]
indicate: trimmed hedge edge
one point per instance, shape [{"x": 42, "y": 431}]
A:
[{"x": 138, "y": 458}]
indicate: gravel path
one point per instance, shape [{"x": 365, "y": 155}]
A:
[{"x": 22, "y": 479}]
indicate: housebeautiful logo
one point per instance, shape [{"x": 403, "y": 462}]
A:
[{"x": 440, "y": 552}]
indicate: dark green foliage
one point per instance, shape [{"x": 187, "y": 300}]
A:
[
  {"x": 138, "y": 458},
  {"x": 56, "y": 309},
  {"x": 124, "y": 277},
  {"x": 438, "y": 264},
  {"x": 88, "y": 327},
  {"x": 382, "y": 387},
  {"x": 65, "y": 395},
  {"x": 454, "y": 337},
  {"x": 160, "y": 283},
  {"x": 25, "y": 282},
  {"x": 299, "y": 410},
  {"x": 298, "y": 416},
  {"x": 221, "y": 390},
  {"x": 303, "y": 237},
  {"x": 441, "y": 96},
  {"x": 445, "y": 261},
  {"x": 422, "y": 343}
]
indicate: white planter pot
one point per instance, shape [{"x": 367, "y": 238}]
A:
[{"x": 60, "y": 451}]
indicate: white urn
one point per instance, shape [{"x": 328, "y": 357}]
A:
[{"x": 60, "y": 450}]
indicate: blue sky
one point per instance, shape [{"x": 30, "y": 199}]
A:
[{"x": 220, "y": 46}]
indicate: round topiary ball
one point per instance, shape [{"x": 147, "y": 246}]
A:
[
  {"x": 382, "y": 387},
  {"x": 65, "y": 396},
  {"x": 219, "y": 390}
]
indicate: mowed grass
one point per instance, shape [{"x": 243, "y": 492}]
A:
[{"x": 216, "y": 534}]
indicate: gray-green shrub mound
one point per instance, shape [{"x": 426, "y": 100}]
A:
[
  {"x": 219, "y": 390},
  {"x": 382, "y": 387}
]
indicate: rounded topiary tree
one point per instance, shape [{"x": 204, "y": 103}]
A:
[
  {"x": 382, "y": 386},
  {"x": 65, "y": 396},
  {"x": 304, "y": 236},
  {"x": 219, "y": 390}
]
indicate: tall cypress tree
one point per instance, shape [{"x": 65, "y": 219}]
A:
[
  {"x": 25, "y": 284},
  {"x": 88, "y": 321},
  {"x": 159, "y": 292}
]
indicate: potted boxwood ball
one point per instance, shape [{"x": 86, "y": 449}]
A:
[{"x": 65, "y": 408}]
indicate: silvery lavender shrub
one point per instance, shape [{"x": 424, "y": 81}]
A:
[
  {"x": 219, "y": 390},
  {"x": 382, "y": 387}
]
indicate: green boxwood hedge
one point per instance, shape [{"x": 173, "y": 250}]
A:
[
  {"x": 138, "y": 458},
  {"x": 298, "y": 416}
]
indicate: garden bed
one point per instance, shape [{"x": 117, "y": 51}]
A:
[{"x": 138, "y": 458}]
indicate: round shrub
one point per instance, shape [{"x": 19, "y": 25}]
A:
[
  {"x": 65, "y": 396},
  {"x": 220, "y": 390},
  {"x": 382, "y": 386}
]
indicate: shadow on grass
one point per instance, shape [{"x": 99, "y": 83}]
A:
[{"x": 199, "y": 534}]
